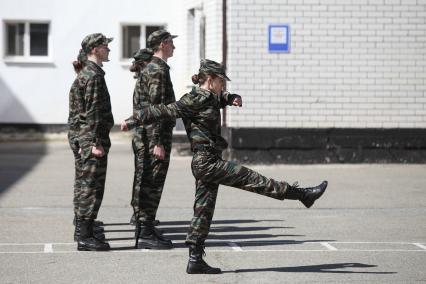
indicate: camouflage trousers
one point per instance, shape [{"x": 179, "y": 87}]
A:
[
  {"x": 150, "y": 173},
  {"x": 89, "y": 183},
  {"x": 210, "y": 170}
]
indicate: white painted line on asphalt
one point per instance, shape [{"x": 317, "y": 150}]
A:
[
  {"x": 328, "y": 246},
  {"x": 33, "y": 208},
  {"x": 393, "y": 243},
  {"x": 420, "y": 245},
  {"x": 260, "y": 242},
  {"x": 221, "y": 251},
  {"x": 32, "y": 244},
  {"x": 339, "y": 250},
  {"x": 234, "y": 246},
  {"x": 48, "y": 248}
]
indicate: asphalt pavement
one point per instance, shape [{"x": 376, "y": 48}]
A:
[{"x": 369, "y": 226}]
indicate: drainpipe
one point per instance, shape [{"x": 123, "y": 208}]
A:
[
  {"x": 225, "y": 131},
  {"x": 224, "y": 51}
]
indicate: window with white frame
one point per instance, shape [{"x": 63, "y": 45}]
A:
[
  {"x": 26, "y": 39},
  {"x": 134, "y": 36}
]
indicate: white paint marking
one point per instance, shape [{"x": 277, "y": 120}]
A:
[
  {"x": 32, "y": 244},
  {"x": 420, "y": 245},
  {"x": 48, "y": 248},
  {"x": 234, "y": 246},
  {"x": 393, "y": 243},
  {"x": 33, "y": 208},
  {"x": 328, "y": 246},
  {"x": 223, "y": 251}
]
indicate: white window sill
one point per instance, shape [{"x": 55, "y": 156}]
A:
[{"x": 29, "y": 60}]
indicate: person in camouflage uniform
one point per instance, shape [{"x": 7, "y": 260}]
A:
[
  {"x": 200, "y": 111},
  {"x": 90, "y": 121},
  {"x": 142, "y": 58},
  {"x": 152, "y": 143}
]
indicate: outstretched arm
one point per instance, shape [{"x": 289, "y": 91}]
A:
[
  {"x": 228, "y": 99},
  {"x": 185, "y": 107}
]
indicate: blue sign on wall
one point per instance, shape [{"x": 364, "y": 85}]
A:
[{"x": 279, "y": 38}]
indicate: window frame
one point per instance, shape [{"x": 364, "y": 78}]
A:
[
  {"x": 27, "y": 57},
  {"x": 142, "y": 40}
]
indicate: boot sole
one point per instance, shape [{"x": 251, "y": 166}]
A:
[
  {"x": 92, "y": 249},
  {"x": 220, "y": 272},
  {"x": 204, "y": 272},
  {"x": 101, "y": 238},
  {"x": 159, "y": 232},
  {"x": 309, "y": 202}
]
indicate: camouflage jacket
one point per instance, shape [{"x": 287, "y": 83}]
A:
[
  {"x": 90, "y": 118},
  {"x": 139, "y": 102},
  {"x": 200, "y": 111},
  {"x": 153, "y": 86}
]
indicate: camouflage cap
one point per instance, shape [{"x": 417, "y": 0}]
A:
[
  {"x": 93, "y": 40},
  {"x": 210, "y": 66},
  {"x": 157, "y": 37},
  {"x": 143, "y": 54}
]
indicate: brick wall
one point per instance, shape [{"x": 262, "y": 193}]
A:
[{"x": 352, "y": 64}]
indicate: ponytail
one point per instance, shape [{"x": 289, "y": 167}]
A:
[
  {"x": 80, "y": 62},
  {"x": 137, "y": 67},
  {"x": 195, "y": 79}
]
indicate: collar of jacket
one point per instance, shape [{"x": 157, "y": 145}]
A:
[
  {"x": 205, "y": 93},
  {"x": 200, "y": 91},
  {"x": 95, "y": 67},
  {"x": 159, "y": 61}
]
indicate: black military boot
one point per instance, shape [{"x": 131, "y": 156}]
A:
[
  {"x": 306, "y": 195},
  {"x": 97, "y": 231},
  {"x": 133, "y": 221},
  {"x": 87, "y": 240},
  {"x": 196, "y": 264},
  {"x": 155, "y": 223},
  {"x": 96, "y": 223},
  {"x": 151, "y": 238}
]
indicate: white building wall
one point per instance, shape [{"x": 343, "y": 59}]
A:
[
  {"x": 212, "y": 11},
  {"x": 214, "y": 29},
  {"x": 38, "y": 92},
  {"x": 353, "y": 63}
]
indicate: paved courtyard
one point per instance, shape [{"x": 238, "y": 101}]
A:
[{"x": 369, "y": 227}]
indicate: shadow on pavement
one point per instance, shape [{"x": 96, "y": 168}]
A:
[
  {"x": 17, "y": 159},
  {"x": 216, "y": 238},
  {"x": 234, "y": 237},
  {"x": 222, "y": 229},
  {"x": 178, "y": 232},
  {"x": 259, "y": 243},
  {"x": 115, "y": 224},
  {"x": 186, "y": 223},
  {"x": 323, "y": 268}
]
